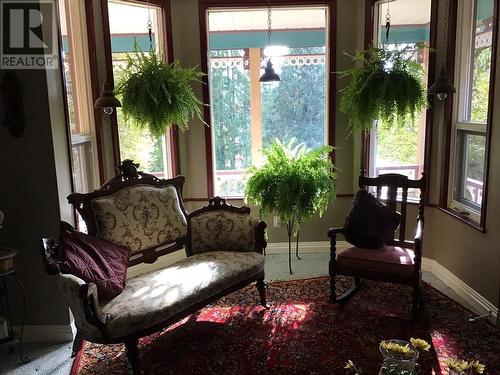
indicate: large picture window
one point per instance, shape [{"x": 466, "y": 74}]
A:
[
  {"x": 469, "y": 137},
  {"x": 247, "y": 115},
  {"x": 394, "y": 149}
]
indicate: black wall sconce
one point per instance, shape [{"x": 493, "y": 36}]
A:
[{"x": 107, "y": 101}]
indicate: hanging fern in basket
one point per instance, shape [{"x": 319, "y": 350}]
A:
[
  {"x": 385, "y": 85},
  {"x": 156, "y": 94}
]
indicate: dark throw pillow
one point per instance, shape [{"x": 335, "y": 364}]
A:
[
  {"x": 370, "y": 223},
  {"x": 93, "y": 260}
]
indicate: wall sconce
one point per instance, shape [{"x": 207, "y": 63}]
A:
[
  {"x": 107, "y": 101},
  {"x": 442, "y": 87}
]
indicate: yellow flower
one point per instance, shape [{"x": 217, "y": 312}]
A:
[
  {"x": 349, "y": 364},
  {"x": 453, "y": 364},
  {"x": 396, "y": 348},
  {"x": 477, "y": 366},
  {"x": 420, "y": 344}
]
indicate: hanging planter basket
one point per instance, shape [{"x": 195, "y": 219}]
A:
[
  {"x": 156, "y": 94},
  {"x": 385, "y": 85}
]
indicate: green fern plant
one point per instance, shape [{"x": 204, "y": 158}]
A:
[
  {"x": 385, "y": 85},
  {"x": 294, "y": 182},
  {"x": 156, "y": 94}
]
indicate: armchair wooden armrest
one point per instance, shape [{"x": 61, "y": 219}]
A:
[{"x": 332, "y": 232}]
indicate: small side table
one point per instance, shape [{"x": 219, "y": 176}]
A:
[{"x": 7, "y": 268}]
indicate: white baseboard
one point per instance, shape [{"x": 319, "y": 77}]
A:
[
  {"x": 471, "y": 296},
  {"x": 46, "y": 333}
]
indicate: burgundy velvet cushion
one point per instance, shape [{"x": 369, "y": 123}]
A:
[
  {"x": 389, "y": 260},
  {"x": 93, "y": 260},
  {"x": 370, "y": 223}
]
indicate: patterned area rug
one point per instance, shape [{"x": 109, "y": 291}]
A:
[{"x": 302, "y": 334}]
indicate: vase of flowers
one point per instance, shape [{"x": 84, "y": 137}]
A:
[{"x": 400, "y": 357}]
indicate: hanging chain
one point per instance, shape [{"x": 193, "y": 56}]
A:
[
  {"x": 269, "y": 25},
  {"x": 387, "y": 22},
  {"x": 445, "y": 34},
  {"x": 150, "y": 29}
]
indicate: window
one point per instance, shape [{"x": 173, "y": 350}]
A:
[
  {"x": 401, "y": 149},
  {"x": 128, "y": 24},
  {"x": 247, "y": 115},
  {"x": 80, "y": 107},
  {"x": 470, "y": 113}
]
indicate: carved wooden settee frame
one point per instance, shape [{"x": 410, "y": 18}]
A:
[{"x": 129, "y": 176}]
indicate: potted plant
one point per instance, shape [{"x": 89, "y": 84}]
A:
[
  {"x": 386, "y": 84},
  {"x": 293, "y": 182},
  {"x": 156, "y": 94}
]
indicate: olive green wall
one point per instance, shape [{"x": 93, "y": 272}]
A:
[{"x": 29, "y": 198}]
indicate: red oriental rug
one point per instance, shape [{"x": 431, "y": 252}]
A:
[{"x": 303, "y": 334}]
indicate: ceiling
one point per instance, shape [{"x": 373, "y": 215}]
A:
[{"x": 282, "y": 19}]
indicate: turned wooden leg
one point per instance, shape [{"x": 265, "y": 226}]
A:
[
  {"x": 133, "y": 355},
  {"x": 332, "y": 268},
  {"x": 77, "y": 344},
  {"x": 261, "y": 287}
]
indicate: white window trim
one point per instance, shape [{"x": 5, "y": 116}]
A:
[{"x": 463, "y": 58}]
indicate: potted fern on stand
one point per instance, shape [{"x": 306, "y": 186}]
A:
[{"x": 294, "y": 183}]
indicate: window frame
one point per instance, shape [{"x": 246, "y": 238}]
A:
[
  {"x": 367, "y": 140},
  {"x": 171, "y": 136},
  {"x": 89, "y": 131},
  {"x": 204, "y": 6},
  {"x": 456, "y": 109}
]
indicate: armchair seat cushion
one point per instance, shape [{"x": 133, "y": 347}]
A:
[
  {"x": 389, "y": 260},
  {"x": 152, "y": 298}
]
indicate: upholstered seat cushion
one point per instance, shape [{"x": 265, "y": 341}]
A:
[
  {"x": 390, "y": 260},
  {"x": 154, "y": 297}
]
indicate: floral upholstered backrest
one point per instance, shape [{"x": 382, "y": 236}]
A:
[
  {"x": 140, "y": 217},
  {"x": 222, "y": 230}
]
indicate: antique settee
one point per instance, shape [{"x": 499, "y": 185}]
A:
[{"x": 224, "y": 247}]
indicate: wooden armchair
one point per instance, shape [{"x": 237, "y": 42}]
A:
[{"x": 397, "y": 262}]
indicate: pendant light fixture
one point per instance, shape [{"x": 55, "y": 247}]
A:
[
  {"x": 269, "y": 73},
  {"x": 107, "y": 100},
  {"x": 442, "y": 86}
]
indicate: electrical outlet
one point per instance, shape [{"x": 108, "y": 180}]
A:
[{"x": 276, "y": 222}]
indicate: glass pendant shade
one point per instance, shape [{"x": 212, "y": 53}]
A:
[
  {"x": 269, "y": 74},
  {"x": 107, "y": 100},
  {"x": 442, "y": 87}
]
